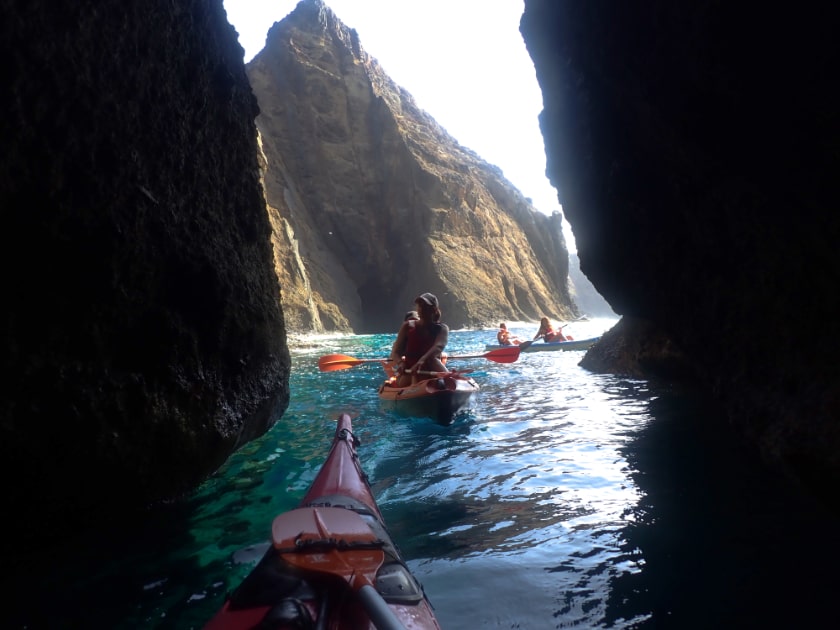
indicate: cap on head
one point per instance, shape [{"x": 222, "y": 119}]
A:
[{"x": 428, "y": 298}]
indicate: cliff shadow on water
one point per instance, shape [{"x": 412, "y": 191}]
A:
[{"x": 719, "y": 539}]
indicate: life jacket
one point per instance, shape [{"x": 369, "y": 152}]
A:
[
  {"x": 554, "y": 336},
  {"x": 420, "y": 339}
]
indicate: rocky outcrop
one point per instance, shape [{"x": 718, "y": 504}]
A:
[
  {"x": 694, "y": 150},
  {"x": 584, "y": 293},
  {"x": 373, "y": 203},
  {"x": 142, "y": 336}
]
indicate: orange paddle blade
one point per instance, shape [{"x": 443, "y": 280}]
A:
[
  {"x": 333, "y": 362},
  {"x": 504, "y": 355}
]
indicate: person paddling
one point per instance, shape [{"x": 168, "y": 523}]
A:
[
  {"x": 504, "y": 337},
  {"x": 547, "y": 332},
  {"x": 420, "y": 343}
]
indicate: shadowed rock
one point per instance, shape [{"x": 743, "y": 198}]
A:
[
  {"x": 142, "y": 336},
  {"x": 694, "y": 149}
]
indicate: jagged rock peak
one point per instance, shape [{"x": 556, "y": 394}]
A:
[
  {"x": 373, "y": 202},
  {"x": 338, "y": 37},
  {"x": 315, "y": 12}
]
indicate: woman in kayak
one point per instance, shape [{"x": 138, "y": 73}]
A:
[
  {"x": 420, "y": 342},
  {"x": 547, "y": 332},
  {"x": 504, "y": 337}
]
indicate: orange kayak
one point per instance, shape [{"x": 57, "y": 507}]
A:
[
  {"x": 332, "y": 563},
  {"x": 440, "y": 397}
]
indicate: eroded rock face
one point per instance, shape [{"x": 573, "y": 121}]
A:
[
  {"x": 694, "y": 149},
  {"x": 373, "y": 203},
  {"x": 587, "y": 298},
  {"x": 142, "y": 336}
]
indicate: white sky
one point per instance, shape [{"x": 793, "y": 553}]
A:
[{"x": 463, "y": 61}]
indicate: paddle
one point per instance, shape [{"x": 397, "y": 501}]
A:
[
  {"x": 333, "y": 362},
  {"x": 450, "y": 373},
  {"x": 336, "y": 541}
]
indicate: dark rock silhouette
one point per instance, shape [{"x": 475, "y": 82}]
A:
[
  {"x": 694, "y": 149},
  {"x": 142, "y": 336}
]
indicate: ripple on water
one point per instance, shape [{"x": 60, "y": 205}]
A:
[{"x": 511, "y": 517}]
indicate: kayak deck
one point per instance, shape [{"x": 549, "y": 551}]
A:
[
  {"x": 548, "y": 346},
  {"x": 441, "y": 397},
  {"x": 313, "y": 575}
]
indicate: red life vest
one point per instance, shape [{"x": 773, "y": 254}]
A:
[
  {"x": 420, "y": 339},
  {"x": 554, "y": 336}
]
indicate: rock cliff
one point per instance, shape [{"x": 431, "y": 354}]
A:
[
  {"x": 373, "y": 203},
  {"x": 694, "y": 147},
  {"x": 584, "y": 293},
  {"x": 142, "y": 337}
]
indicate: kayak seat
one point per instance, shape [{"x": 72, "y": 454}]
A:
[
  {"x": 288, "y": 613},
  {"x": 396, "y": 584},
  {"x": 268, "y": 583}
]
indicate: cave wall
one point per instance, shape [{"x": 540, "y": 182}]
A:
[
  {"x": 694, "y": 148},
  {"x": 143, "y": 338}
]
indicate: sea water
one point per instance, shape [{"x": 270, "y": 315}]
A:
[{"x": 559, "y": 498}]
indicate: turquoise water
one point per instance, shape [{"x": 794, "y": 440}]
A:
[{"x": 560, "y": 498}]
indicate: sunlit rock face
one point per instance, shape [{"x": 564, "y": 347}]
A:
[
  {"x": 694, "y": 147},
  {"x": 373, "y": 203},
  {"x": 589, "y": 301},
  {"x": 142, "y": 334}
]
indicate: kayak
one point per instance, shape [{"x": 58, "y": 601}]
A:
[
  {"x": 440, "y": 397},
  {"x": 332, "y": 563},
  {"x": 547, "y": 346}
]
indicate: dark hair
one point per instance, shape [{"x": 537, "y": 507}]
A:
[
  {"x": 428, "y": 302},
  {"x": 429, "y": 299}
]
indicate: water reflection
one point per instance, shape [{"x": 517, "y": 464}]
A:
[
  {"x": 716, "y": 540},
  {"x": 561, "y": 499}
]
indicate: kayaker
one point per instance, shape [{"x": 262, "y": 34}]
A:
[
  {"x": 547, "y": 332},
  {"x": 504, "y": 337},
  {"x": 420, "y": 343}
]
